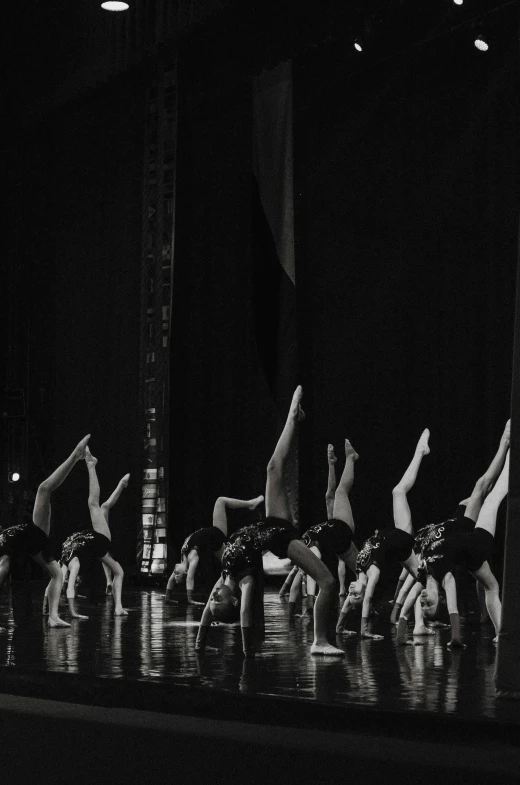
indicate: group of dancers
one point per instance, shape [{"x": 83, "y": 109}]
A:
[
  {"x": 430, "y": 558},
  {"x": 79, "y": 551}
]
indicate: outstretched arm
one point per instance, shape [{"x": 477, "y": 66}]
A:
[
  {"x": 450, "y": 588},
  {"x": 340, "y": 626},
  {"x": 488, "y": 479},
  {"x": 193, "y": 563},
  {"x": 247, "y": 587},
  {"x": 205, "y": 622}
]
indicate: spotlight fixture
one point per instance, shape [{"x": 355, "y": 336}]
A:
[
  {"x": 115, "y": 5},
  {"x": 481, "y": 44},
  {"x": 358, "y": 45},
  {"x": 458, "y": 2},
  {"x": 13, "y": 476}
]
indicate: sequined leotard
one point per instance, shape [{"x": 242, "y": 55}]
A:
[
  {"x": 243, "y": 552},
  {"x": 87, "y": 545},
  {"x": 384, "y": 548}
]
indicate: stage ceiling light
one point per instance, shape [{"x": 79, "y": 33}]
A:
[
  {"x": 13, "y": 477},
  {"x": 358, "y": 46},
  {"x": 458, "y": 2},
  {"x": 481, "y": 44},
  {"x": 115, "y": 5}
]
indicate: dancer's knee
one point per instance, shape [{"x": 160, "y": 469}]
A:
[
  {"x": 326, "y": 582},
  {"x": 44, "y": 489},
  {"x": 274, "y": 466}
]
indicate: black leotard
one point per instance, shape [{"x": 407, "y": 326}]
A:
[
  {"x": 384, "y": 548},
  {"x": 25, "y": 538},
  {"x": 209, "y": 539},
  {"x": 455, "y": 543},
  {"x": 332, "y": 536}
]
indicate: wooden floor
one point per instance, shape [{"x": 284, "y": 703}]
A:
[{"x": 155, "y": 644}]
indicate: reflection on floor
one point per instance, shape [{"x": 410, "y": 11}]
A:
[{"x": 156, "y": 643}]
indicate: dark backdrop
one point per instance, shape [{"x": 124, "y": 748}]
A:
[
  {"x": 79, "y": 186},
  {"x": 406, "y": 229},
  {"x": 406, "y": 251}
]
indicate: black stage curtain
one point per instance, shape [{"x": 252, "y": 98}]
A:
[
  {"x": 406, "y": 235},
  {"x": 406, "y": 199},
  {"x": 80, "y": 179}
]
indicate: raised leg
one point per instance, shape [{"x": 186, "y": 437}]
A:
[
  {"x": 117, "y": 585},
  {"x": 42, "y": 504},
  {"x": 331, "y": 481},
  {"x": 114, "y": 497},
  {"x": 99, "y": 522},
  {"x": 487, "y": 518},
  {"x": 314, "y": 567},
  {"x": 225, "y": 502},
  {"x": 342, "y": 509},
  {"x": 276, "y": 500},
  {"x": 402, "y": 514}
]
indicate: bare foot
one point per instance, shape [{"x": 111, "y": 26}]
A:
[
  {"x": 350, "y": 451},
  {"x": 89, "y": 458},
  {"x": 422, "y": 629},
  {"x": 422, "y": 445},
  {"x": 57, "y": 622},
  {"x": 326, "y": 649},
  {"x": 79, "y": 450},
  {"x": 295, "y": 408},
  {"x": 253, "y": 503},
  {"x": 346, "y": 632},
  {"x": 125, "y": 480},
  {"x": 330, "y": 454},
  {"x": 78, "y": 616},
  {"x": 120, "y": 612}
]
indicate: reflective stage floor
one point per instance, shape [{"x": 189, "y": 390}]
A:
[{"x": 147, "y": 660}]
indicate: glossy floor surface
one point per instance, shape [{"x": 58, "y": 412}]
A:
[{"x": 155, "y": 643}]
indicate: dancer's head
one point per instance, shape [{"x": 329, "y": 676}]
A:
[
  {"x": 356, "y": 593},
  {"x": 223, "y": 604},
  {"x": 432, "y": 599},
  {"x": 179, "y": 572}
]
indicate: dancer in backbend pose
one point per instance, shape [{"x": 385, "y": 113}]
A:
[
  {"x": 82, "y": 549},
  {"x": 460, "y": 541},
  {"x": 386, "y": 547},
  {"x": 334, "y": 535},
  {"x": 329, "y": 503},
  {"x": 32, "y": 537},
  {"x": 208, "y": 540},
  {"x": 243, "y": 555}
]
